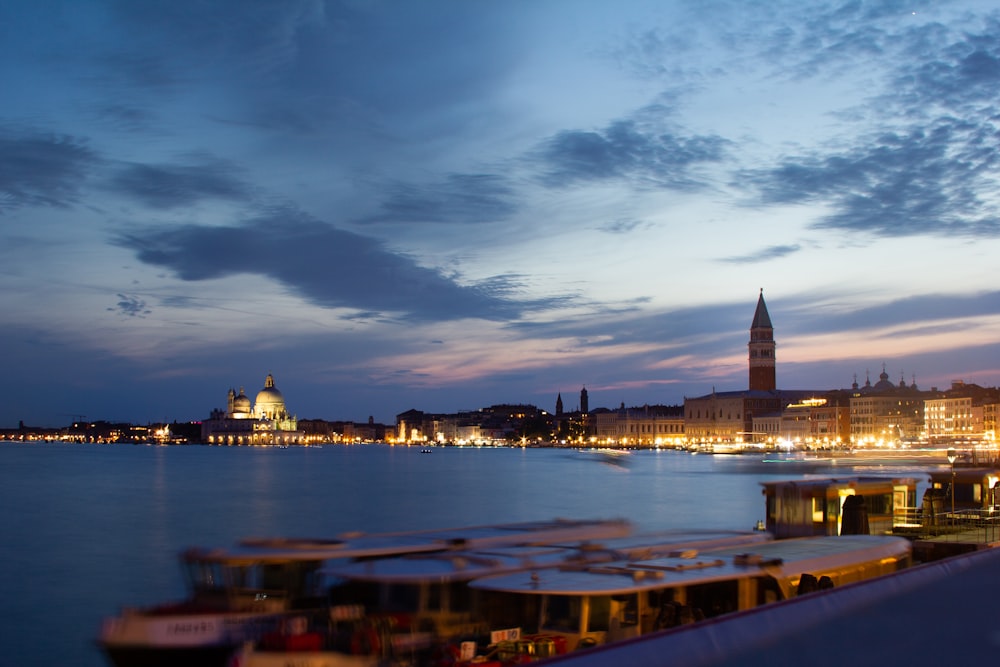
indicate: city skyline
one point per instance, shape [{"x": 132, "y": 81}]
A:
[{"x": 450, "y": 205}]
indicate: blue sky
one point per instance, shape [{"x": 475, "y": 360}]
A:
[{"x": 444, "y": 205}]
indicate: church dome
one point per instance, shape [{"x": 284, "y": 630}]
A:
[
  {"x": 883, "y": 383},
  {"x": 241, "y": 404},
  {"x": 270, "y": 403}
]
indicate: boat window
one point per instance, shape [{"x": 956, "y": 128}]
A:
[
  {"x": 613, "y": 613},
  {"x": 708, "y": 600},
  {"x": 600, "y": 613},
  {"x": 274, "y": 577},
  {"x": 459, "y": 597},
  {"x": 205, "y": 576},
  {"x": 401, "y": 597},
  {"x": 628, "y": 608},
  {"x": 562, "y": 612},
  {"x": 509, "y": 610},
  {"x": 768, "y": 590},
  {"x": 879, "y": 503},
  {"x": 436, "y": 598},
  {"x": 348, "y": 592},
  {"x": 296, "y": 579},
  {"x": 833, "y": 508}
]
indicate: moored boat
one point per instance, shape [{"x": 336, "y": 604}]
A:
[
  {"x": 241, "y": 594},
  {"x": 408, "y": 610},
  {"x": 593, "y": 604}
]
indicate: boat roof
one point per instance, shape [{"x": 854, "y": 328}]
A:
[
  {"x": 964, "y": 475},
  {"x": 468, "y": 564},
  {"x": 373, "y": 545},
  {"x": 448, "y": 566},
  {"x": 860, "y": 483},
  {"x": 782, "y": 558}
]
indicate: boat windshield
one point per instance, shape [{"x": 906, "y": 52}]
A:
[{"x": 296, "y": 579}]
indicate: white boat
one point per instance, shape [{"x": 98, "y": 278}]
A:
[
  {"x": 406, "y": 609},
  {"x": 592, "y": 604},
  {"x": 240, "y": 594}
]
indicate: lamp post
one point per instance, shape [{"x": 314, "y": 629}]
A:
[{"x": 951, "y": 460}]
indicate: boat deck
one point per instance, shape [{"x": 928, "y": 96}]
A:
[{"x": 789, "y": 557}]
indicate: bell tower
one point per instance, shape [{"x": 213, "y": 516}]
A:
[{"x": 761, "y": 345}]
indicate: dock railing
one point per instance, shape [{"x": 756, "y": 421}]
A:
[{"x": 979, "y": 526}]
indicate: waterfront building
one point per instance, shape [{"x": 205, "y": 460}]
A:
[
  {"x": 887, "y": 413},
  {"x": 815, "y": 422},
  {"x": 964, "y": 413},
  {"x": 264, "y": 422},
  {"x": 752, "y": 415},
  {"x": 645, "y": 426},
  {"x": 991, "y": 410},
  {"x": 504, "y": 422},
  {"x": 830, "y": 419}
]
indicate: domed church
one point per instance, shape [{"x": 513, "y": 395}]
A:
[{"x": 266, "y": 422}]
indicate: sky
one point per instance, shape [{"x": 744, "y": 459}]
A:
[{"x": 445, "y": 205}]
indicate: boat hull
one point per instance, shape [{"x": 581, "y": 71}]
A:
[
  {"x": 255, "y": 658},
  {"x": 190, "y": 656},
  {"x": 137, "y": 639}
]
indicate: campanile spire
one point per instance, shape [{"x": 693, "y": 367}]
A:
[{"x": 761, "y": 347}]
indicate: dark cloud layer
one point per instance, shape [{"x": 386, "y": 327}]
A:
[
  {"x": 931, "y": 165},
  {"x": 927, "y": 181},
  {"x": 41, "y": 170},
  {"x": 461, "y": 198},
  {"x": 625, "y": 150},
  {"x": 169, "y": 186},
  {"x": 765, "y": 254},
  {"x": 326, "y": 266}
]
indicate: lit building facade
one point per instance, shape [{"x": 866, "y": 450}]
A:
[
  {"x": 264, "y": 422},
  {"x": 885, "y": 413},
  {"x": 966, "y": 412},
  {"x": 649, "y": 425}
]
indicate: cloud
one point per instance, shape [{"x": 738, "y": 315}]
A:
[
  {"x": 925, "y": 181},
  {"x": 327, "y": 267},
  {"x": 763, "y": 255},
  {"x": 921, "y": 310},
  {"x": 626, "y": 150},
  {"x": 927, "y": 164},
  {"x": 41, "y": 170},
  {"x": 130, "y": 306},
  {"x": 941, "y": 72},
  {"x": 167, "y": 186},
  {"x": 461, "y": 198},
  {"x": 623, "y": 226}
]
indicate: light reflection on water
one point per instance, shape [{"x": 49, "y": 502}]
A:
[{"x": 89, "y": 528}]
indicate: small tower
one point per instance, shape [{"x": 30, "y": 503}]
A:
[
  {"x": 559, "y": 405},
  {"x": 584, "y": 402},
  {"x": 761, "y": 345}
]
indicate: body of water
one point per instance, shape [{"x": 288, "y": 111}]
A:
[{"x": 89, "y": 528}]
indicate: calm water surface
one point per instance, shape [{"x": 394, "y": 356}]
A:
[{"x": 89, "y": 528}]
